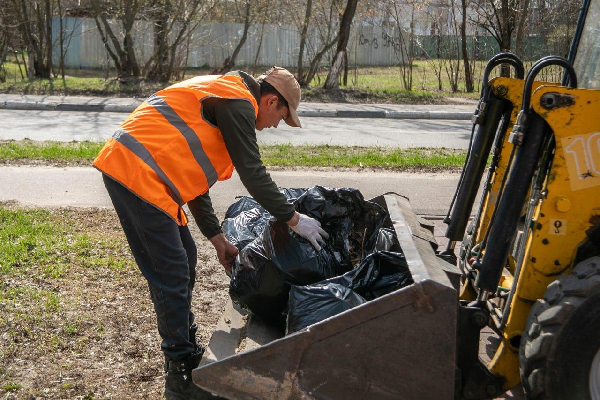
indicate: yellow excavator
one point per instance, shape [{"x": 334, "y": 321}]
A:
[{"x": 527, "y": 266}]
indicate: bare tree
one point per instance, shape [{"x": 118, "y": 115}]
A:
[
  {"x": 246, "y": 11},
  {"x": 332, "y": 80},
  {"x": 303, "y": 39},
  {"x": 465, "y": 55},
  {"x": 122, "y": 52},
  {"x": 34, "y": 25},
  {"x": 553, "y": 20},
  {"x": 173, "y": 21},
  {"x": 452, "y": 48},
  {"x": 434, "y": 56},
  {"x": 405, "y": 43},
  {"x": 503, "y": 19},
  {"x": 7, "y": 37},
  {"x": 318, "y": 34}
]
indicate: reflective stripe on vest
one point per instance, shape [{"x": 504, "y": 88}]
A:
[
  {"x": 195, "y": 146},
  {"x": 139, "y": 150},
  {"x": 166, "y": 152}
]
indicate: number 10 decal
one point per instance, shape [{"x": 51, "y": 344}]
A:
[{"x": 582, "y": 154}]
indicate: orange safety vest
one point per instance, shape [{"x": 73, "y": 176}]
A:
[{"x": 165, "y": 152}]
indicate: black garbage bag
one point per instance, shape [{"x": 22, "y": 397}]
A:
[
  {"x": 352, "y": 222},
  {"x": 266, "y": 267},
  {"x": 387, "y": 241},
  {"x": 246, "y": 219},
  {"x": 246, "y": 226},
  {"x": 313, "y": 303},
  {"x": 272, "y": 257},
  {"x": 380, "y": 273}
]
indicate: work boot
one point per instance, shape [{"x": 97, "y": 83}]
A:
[{"x": 178, "y": 381}]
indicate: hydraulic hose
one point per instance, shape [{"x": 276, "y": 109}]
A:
[
  {"x": 528, "y": 135},
  {"x": 487, "y": 117}
]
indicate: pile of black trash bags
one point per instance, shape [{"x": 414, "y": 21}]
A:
[{"x": 279, "y": 274}]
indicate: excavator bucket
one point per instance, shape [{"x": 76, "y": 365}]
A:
[{"x": 401, "y": 345}]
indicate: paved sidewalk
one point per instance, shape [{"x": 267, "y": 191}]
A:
[{"x": 306, "y": 109}]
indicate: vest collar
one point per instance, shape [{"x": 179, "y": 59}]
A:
[{"x": 250, "y": 83}]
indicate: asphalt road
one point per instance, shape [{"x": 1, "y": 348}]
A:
[
  {"x": 430, "y": 193},
  {"x": 69, "y": 126}
]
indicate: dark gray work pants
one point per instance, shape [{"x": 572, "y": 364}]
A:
[{"x": 166, "y": 254}]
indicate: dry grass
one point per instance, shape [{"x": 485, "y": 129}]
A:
[{"x": 76, "y": 320}]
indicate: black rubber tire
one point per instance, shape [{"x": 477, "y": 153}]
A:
[{"x": 562, "y": 336}]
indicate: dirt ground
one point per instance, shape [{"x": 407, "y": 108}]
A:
[{"x": 102, "y": 341}]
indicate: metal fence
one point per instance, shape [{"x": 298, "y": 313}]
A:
[{"x": 211, "y": 43}]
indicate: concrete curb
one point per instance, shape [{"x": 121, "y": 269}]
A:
[{"x": 340, "y": 113}]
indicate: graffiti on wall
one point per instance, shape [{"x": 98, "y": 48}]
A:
[{"x": 386, "y": 41}]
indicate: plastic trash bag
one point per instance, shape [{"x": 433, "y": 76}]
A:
[
  {"x": 380, "y": 273},
  {"x": 313, "y": 303},
  {"x": 266, "y": 267},
  {"x": 272, "y": 257},
  {"x": 387, "y": 241},
  {"x": 246, "y": 219}
]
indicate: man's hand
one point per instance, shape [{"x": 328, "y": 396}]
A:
[
  {"x": 309, "y": 228},
  {"x": 226, "y": 252}
]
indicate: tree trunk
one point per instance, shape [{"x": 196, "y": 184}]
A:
[
  {"x": 33, "y": 40},
  {"x": 303, "y": 34},
  {"x": 48, "y": 34},
  {"x": 314, "y": 65},
  {"x": 30, "y": 64},
  {"x": 506, "y": 32},
  {"x": 106, "y": 33},
  {"x": 61, "y": 44},
  {"x": 521, "y": 29},
  {"x": 463, "y": 33},
  {"x": 345, "y": 80},
  {"x": 332, "y": 81},
  {"x": 131, "y": 67},
  {"x": 259, "y": 47},
  {"x": 229, "y": 62}
]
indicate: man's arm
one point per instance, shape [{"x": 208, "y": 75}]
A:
[
  {"x": 204, "y": 214},
  {"x": 236, "y": 120}
]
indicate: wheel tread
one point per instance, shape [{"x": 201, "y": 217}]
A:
[{"x": 546, "y": 320}]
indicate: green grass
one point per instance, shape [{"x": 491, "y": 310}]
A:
[
  {"x": 11, "y": 387},
  {"x": 54, "y": 151},
  {"x": 370, "y": 84},
  {"x": 387, "y": 81},
  {"x": 51, "y": 263},
  {"x": 40, "y": 240},
  {"x": 285, "y": 155},
  {"x": 365, "y": 84},
  {"x": 361, "y": 157},
  {"x": 90, "y": 82},
  {"x": 28, "y": 239}
]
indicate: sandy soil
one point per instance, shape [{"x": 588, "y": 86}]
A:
[{"x": 114, "y": 351}]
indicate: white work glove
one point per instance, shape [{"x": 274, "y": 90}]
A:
[{"x": 310, "y": 229}]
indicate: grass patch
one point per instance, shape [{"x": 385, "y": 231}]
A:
[
  {"x": 74, "y": 152},
  {"x": 365, "y": 84},
  {"x": 361, "y": 157},
  {"x": 284, "y": 155},
  {"x": 77, "y": 82},
  {"x": 53, "y": 265},
  {"x": 37, "y": 240},
  {"x": 11, "y": 387}
]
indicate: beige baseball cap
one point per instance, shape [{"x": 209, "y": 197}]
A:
[{"x": 286, "y": 84}]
